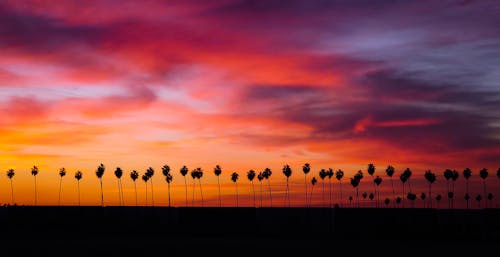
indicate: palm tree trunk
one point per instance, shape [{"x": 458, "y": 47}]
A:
[
  {"x": 194, "y": 187},
  {"x": 168, "y": 194},
  {"x": 430, "y": 195},
  {"x": 152, "y": 193},
  {"x": 218, "y": 182},
  {"x": 102, "y": 194},
  {"x": 236, "y": 184},
  {"x": 270, "y": 194},
  {"x": 60, "y": 189},
  {"x": 393, "y": 193},
  {"x": 340, "y": 187},
  {"x": 305, "y": 183},
  {"x": 253, "y": 189},
  {"x": 357, "y": 196},
  {"x": 330, "y": 192},
  {"x": 135, "y": 188},
  {"x": 78, "y": 185},
  {"x": 403, "y": 198},
  {"x": 261, "y": 193},
  {"x": 467, "y": 191},
  {"x": 201, "y": 193},
  {"x": 35, "y": 191},
  {"x": 323, "y": 194},
  {"x": 453, "y": 190},
  {"x": 119, "y": 193},
  {"x": 146, "y": 193},
  {"x": 286, "y": 192},
  {"x": 485, "y": 196},
  {"x": 186, "y": 186},
  {"x": 375, "y": 192},
  {"x": 12, "y": 191},
  {"x": 310, "y": 197}
]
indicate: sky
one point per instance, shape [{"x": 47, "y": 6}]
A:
[{"x": 245, "y": 85}]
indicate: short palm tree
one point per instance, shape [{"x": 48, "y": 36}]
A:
[
  {"x": 217, "y": 172},
  {"x": 306, "y": 169},
  {"x": 118, "y": 174},
  {"x": 339, "y": 175},
  {"x": 287, "y": 171},
  {"x": 34, "y": 172},
  {"x": 234, "y": 178},
  {"x": 145, "y": 178},
  {"x": 184, "y": 171},
  {"x": 322, "y": 176},
  {"x": 78, "y": 176},
  {"x": 150, "y": 173},
  {"x": 483, "y": 173},
  {"x": 62, "y": 173},
  {"x": 251, "y": 175},
  {"x": 422, "y": 197},
  {"x": 438, "y": 200},
  {"x": 10, "y": 175},
  {"x": 313, "y": 183},
  {"x": 99, "y": 173},
  {"x": 267, "y": 175},
  {"x": 168, "y": 177},
  {"x": 387, "y": 201},
  {"x": 260, "y": 177},
  {"x": 431, "y": 178},
  {"x": 478, "y": 199},
  {"x": 467, "y": 173},
  {"x": 389, "y": 171},
  {"x": 134, "y": 175}
]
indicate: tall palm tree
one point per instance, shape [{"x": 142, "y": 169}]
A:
[
  {"x": 198, "y": 174},
  {"x": 234, "y": 178},
  {"x": 339, "y": 175},
  {"x": 355, "y": 183},
  {"x": 448, "y": 174},
  {"x": 371, "y": 171},
  {"x": 306, "y": 168},
  {"x": 377, "y": 180},
  {"x": 99, "y": 173},
  {"x": 251, "y": 176},
  {"x": 287, "y": 171},
  {"x": 267, "y": 175},
  {"x": 145, "y": 178},
  {"x": 78, "y": 176},
  {"x": 467, "y": 173},
  {"x": 10, "y": 175},
  {"x": 134, "y": 175},
  {"x": 329, "y": 174},
  {"x": 34, "y": 172},
  {"x": 322, "y": 176},
  {"x": 403, "y": 177},
  {"x": 118, "y": 174},
  {"x": 168, "y": 177},
  {"x": 483, "y": 173},
  {"x": 184, "y": 171},
  {"x": 358, "y": 176},
  {"x": 389, "y": 171},
  {"x": 62, "y": 173},
  {"x": 260, "y": 177},
  {"x": 431, "y": 178},
  {"x": 454, "y": 178},
  {"x": 313, "y": 183},
  {"x": 150, "y": 173},
  {"x": 217, "y": 172}
]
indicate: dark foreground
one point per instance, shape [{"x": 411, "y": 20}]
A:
[{"x": 161, "y": 231}]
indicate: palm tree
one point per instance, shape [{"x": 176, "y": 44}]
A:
[
  {"x": 193, "y": 176},
  {"x": 358, "y": 176},
  {"x": 184, "y": 171},
  {"x": 251, "y": 176},
  {"x": 322, "y": 176},
  {"x": 198, "y": 173},
  {"x": 260, "y": 177},
  {"x": 371, "y": 170},
  {"x": 431, "y": 178},
  {"x": 118, "y": 174},
  {"x": 150, "y": 173},
  {"x": 168, "y": 177},
  {"x": 483, "y": 173},
  {"x": 287, "y": 171},
  {"x": 387, "y": 201},
  {"x": 267, "y": 175},
  {"x": 34, "y": 172},
  {"x": 355, "y": 183},
  {"x": 234, "y": 178},
  {"x": 339, "y": 175},
  {"x": 306, "y": 169},
  {"x": 448, "y": 174},
  {"x": 217, "y": 172},
  {"x": 490, "y": 197},
  {"x": 403, "y": 179},
  {"x": 10, "y": 174},
  {"x": 329, "y": 174},
  {"x": 313, "y": 182},
  {"x": 145, "y": 178},
  {"x": 62, "y": 173},
  {"x": 78, "y": 176},
  {"x": 454, "y": 178},
  {"x": 478, "y": 199},
  {"x": 467, "y": 173},
  {"x": 438, "y": 200},
  {"x": 134, "y": 175},
  {"x": 377, "y": 180},
  {"x": 390, "y": 171},
  {"x": 99, "y": 172},
  {"x": 422, "y": 197}
]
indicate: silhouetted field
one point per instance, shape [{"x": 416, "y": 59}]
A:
[{"x": 145, "y": 231}]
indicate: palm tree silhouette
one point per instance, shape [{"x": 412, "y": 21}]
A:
[
  {"x": 490, "y": 197},
  {"x": 234, "y": 178},
  {"x": 99, "y": 173},
  {"x": 422, "y": 197},
  {"x": 168, "y": 177},
  {"x": 339, "y": 175},
  {"x": 431, "y": 178},
  {"x": 198, "y": 173},
  {"x": 448, "y": 174},
  {"x": 438, "y": 200},
  {"x": 134, "y": 175},
  {"x": 118, "y": 174},
  {"x": 412, "y": 197},
  {"x": 260, "y": 177},
  {"x": 34, "y": 172},
  {"x": 287, "y": 171},
  {"x": 313, "y": 182},
  {"x": 454, "y": 178},
  {"x": 467, "y": 173},
  {"x": 217, "y": 172},
  {"x": 377, "y": 180},
  {"x": 322, "y": 176},
  {"x": 358, "y": 176},
  {"x": 306, "y": 168},
  {"x": 403, "y": 179},
  {"x": 184, "y": 171},
  {"x": 364, "y": 195},
  {"x": 355, "y": 182},
  {"x": 390, "y": 171},
  {"x": 478, "y": 199},
  {"x": 371, "y": 170},
  {"x": 193, "y": 176},
  {"x": 329, "y": 174},
  {"x": 145, "y": 178},
  {"x": 251, "y": 176},
  {"x": 498, "y": 173},
  {"x": 483, "y": 173},
  {"x": 387, "y": 201},
  {"x": 150, "y": 173},
  {"x": 62, "y": 173},
  {"x": 267, "y": 175},
  {"x": 10, "y": 174},
  {"x": 407, "y": 172},
  {"x": 78, "y": 176}
]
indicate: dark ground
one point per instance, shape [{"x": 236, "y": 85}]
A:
[{"x": 208, "y": 231}]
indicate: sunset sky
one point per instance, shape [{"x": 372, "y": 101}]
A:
[{"x": 246, "y": 85}]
